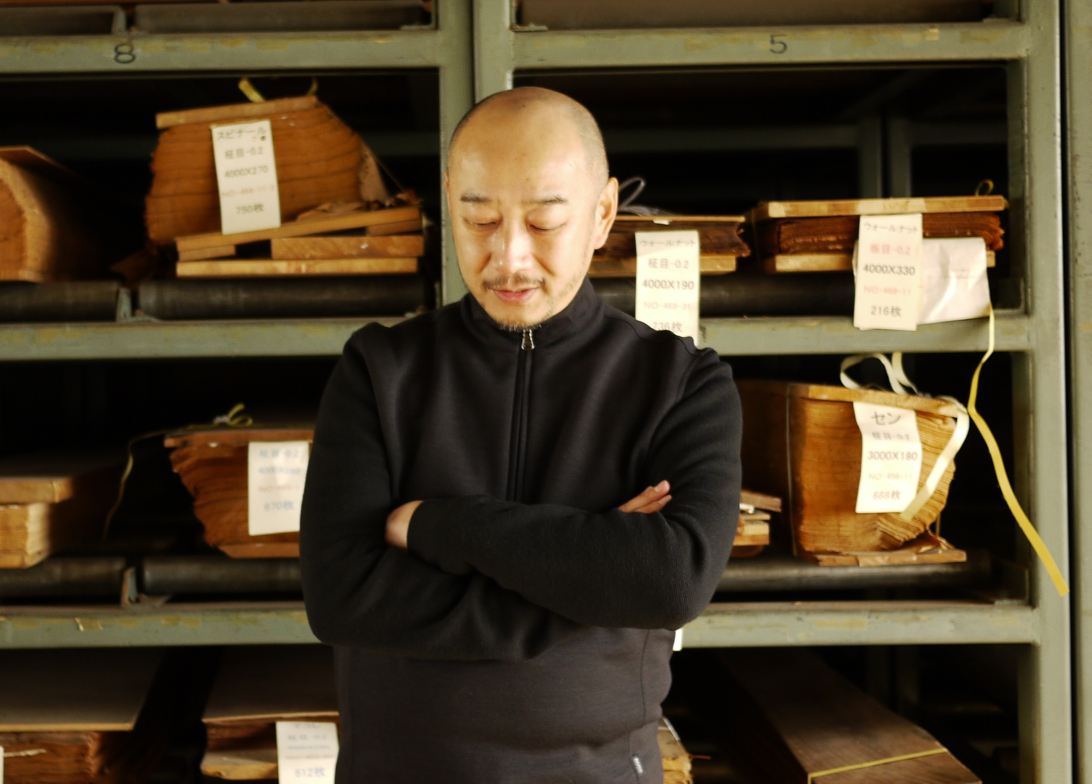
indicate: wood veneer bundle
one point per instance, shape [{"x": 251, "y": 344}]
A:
[
  {"x": 809, "y": 452},
  {"x": 798, "y": 721},
  {"x": 212, "y": 463},
  {"x": 50, "y": 225},
  {"x": 753, "y": 534},
  {"x": 256, "y": 687},
  {"x": 319, "y": 160},
  {"x": 79, "y": 716},
  {"x": 818, "y": 236},
  {"x": 721, "y": 245},
  {"x": 51, "y": 501}
]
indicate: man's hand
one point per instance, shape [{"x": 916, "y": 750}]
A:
[
  {"x": 398, "y": 524},
  {"x": 650, "y": 501}
]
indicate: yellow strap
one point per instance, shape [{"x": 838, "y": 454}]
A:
[
  {"x": 233, "y": 418},
  {"x": 860, "y": 765},
  {"x": 1003, "y": 479},
  {"x": 250, "y": 91}
]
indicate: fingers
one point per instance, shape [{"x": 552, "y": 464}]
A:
[
  {"x": 651, "y": 495},
  {"x": 655, "y": 506}
]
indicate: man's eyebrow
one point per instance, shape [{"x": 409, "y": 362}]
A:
[
  {"x": 548, "y": 200},
  {"x": 475, "y": 198}
]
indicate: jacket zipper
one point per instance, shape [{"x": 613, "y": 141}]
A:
[{"x": 519, "y": 418}]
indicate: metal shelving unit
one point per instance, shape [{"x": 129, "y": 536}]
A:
[
  {"x": 1028, "y": 47},
  {"x": 1078, "y": 47},
  {"x": 475, "y": 60}
]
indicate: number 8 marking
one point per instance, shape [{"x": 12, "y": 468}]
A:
[{"x": 124, "y": 54}]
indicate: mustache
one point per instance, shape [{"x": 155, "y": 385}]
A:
[{"x": 516, "y": 281}]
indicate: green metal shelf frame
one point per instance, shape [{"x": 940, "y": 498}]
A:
[
  {"x": 1078, "y": 47},
  {"x": 1029, "y": 49},
  {"x": 325, "y": 337},
  {"x": 475, "y": 61},
  {"x": 721, "y": 625}
]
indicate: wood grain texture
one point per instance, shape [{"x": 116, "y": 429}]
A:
[
  {"x": 50, "y": 477},
  {"x": 342, "y": 222},
  {"x": 794, "y": 716},
  {"x": 233, "y": 112},
  {"x": 826, "y": 262},
  {"x": 341, "y": 247},
  {"x": 273, "y": 268},
  {"x": 810, "y": 454},
  {"x": 212, "y": 464},
  {"x": 271, "y": 683},
  {"x": 814, "y": 209}
]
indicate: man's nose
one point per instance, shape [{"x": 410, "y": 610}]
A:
[{"x": 513, "y": 248}]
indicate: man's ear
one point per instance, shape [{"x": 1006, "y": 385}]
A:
[{"x": 606, "y": 210}]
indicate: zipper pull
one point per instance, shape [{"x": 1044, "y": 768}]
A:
[{"x": 528, "y": 340}]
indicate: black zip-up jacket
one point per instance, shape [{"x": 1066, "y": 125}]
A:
[{"x": 525, "y": 635}]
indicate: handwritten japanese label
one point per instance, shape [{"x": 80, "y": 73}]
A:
[
  {"x": 669, "y": 280},
  {"x": 888, "y": 268},
  {"x": 306, "y": 751},
  {"x": 246, "y": 174},
  {"x": 954, "y": 283},
  {"x": 890, "y": 457},
  {"x": 275, "y": 474}
]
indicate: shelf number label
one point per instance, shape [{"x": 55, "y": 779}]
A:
[
  {"x": 246, "y": 174},
  {"x": 778, "y": 44},
  {"x": 124, "y": 54},
  {"x": 275, "y": 474},
  {"x": 890, "y": 457}
]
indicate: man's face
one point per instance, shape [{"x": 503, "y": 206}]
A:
[{"x": 526, "y": 213}]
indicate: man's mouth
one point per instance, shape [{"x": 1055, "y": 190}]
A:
[{"x": 514, "y": 296}]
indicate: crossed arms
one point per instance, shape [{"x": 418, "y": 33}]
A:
[{"x": 483, "y": 578}]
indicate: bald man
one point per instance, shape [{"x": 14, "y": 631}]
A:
[{"x": 513, "y": 501}]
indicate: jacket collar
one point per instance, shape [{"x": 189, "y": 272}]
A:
[{"x": 578, "y": 315}]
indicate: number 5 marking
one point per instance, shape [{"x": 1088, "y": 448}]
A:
[{"x": 778, "y": 44}]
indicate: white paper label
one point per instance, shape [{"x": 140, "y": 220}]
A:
[
  {"x": 890, "y": 457},
  {"x": 669, "y": 280},
  {"x": 888, "y": 268},
  {"x": 246, "y": 174},
  {"x": 306, "y": 751},
  {"x": 275, "y": 474},
  {"x": 954, "y": 283},
  {"x": 1, "y": 765}
]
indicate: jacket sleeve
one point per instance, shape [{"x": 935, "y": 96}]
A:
[
  {"x": 613, "y": 568},
  {"x": 358, "y": 590}
]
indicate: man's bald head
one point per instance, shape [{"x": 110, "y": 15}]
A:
[{"x": 533, "y": 105}]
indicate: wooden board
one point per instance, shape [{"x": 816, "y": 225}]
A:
[
  {"x": 627, "y": 268},
  {"x": 826, "y": 262},
  {"x": 238, "y": 436},
  {"x": 342, "y": 222},
  {"x": 242, "y": 764},
  {"x": 876, "y": 396},
  {"x": 50, "y": 477},
  {"x": 271, "y": 683},
  {"x": 74, "y": 690},
  {"x": 815, "y": 209},
  {"x": 272, "y": 268},
  {"x": 676, "y": 761},
  {"x": 752, "y": 534},
  {"x": 342, "y": 247},
  {"x": 925, "y": 549},
  {"x": 234, "y": 112},
  {"x": 770, "y": 503},
  {"x": 207, "y": 253},
  {"x": 397, "y": 227},
  {"x": 793, "y": 717},
  {"x": 29, "y": 533}
]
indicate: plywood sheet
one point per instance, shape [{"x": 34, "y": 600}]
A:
[
  {"x": 266, "y": 268},
  {"x": 50, "y": 477},
  {"x": 815, "y": 209},
  {"x": 74, "y": 690},
  {"x": 273, "y": 683}
]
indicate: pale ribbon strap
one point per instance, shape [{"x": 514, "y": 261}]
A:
[
  {"x": 1036, "y": 541},
  {"x": 901, "y": 384},
  {"x": 875, "y": 763}
]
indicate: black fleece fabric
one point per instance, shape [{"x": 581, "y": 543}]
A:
[{"x": 525, "y": 635}]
